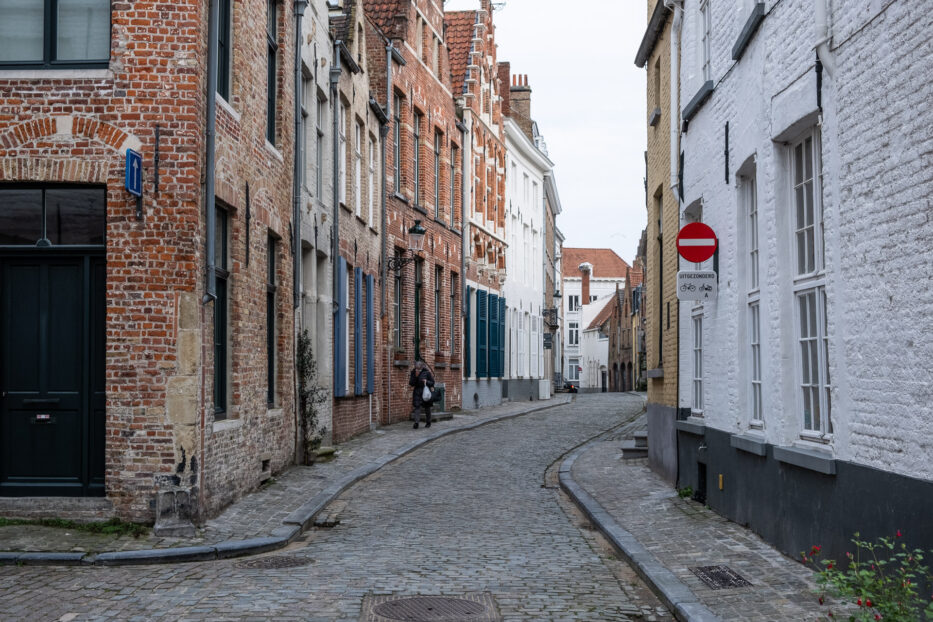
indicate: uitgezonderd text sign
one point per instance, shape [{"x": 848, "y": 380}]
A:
[{"x": 700, "y": 285}]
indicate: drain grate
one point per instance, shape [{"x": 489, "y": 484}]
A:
[
  {"x": 275, "y": 561},
  {"x": 468, "y": 608},
  {"x": 720, "y": 577}
]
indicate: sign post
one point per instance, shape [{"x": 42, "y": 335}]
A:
[
  {"x": 696, "y": 243},
  {"x": 134, "y": 179}
]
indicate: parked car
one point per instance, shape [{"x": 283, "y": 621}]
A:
[{"x": 570, "y": 386}]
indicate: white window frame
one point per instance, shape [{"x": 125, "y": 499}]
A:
[
  {"x": 342, "y": 152},
  {"x": 809, "y": 289},
  {"x": 750, "y": 218},
  {"x": 573, "y": 333},
  {"x": 371, "y": 186},
  {"x": 358, "y": 169},
  {"x": 319, "y": 148},
  {"x": 696, "y": 407},
  {"x": 755, "y": 405},
  {"x": 706, "y": 29},
  {"x": 573, "y": 369}
]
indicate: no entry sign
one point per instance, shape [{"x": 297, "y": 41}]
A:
[{"x": 696, "y": 242}]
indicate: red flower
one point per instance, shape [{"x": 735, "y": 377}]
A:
[
  {"x": 830, "y": 565},
  {"x": 859, "y": 602},
  {"x": 877, "y": 616},
  {"x": 821, "y": 600},
  {"x": 868, "y": 602},
  {"x": 898, "y": 533}
]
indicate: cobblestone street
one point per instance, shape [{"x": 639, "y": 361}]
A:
[{"x": 469, "y": 513}]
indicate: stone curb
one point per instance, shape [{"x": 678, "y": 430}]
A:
[
  {"x": 672, "y": 591},
  {"x": 293, "y": 526}
]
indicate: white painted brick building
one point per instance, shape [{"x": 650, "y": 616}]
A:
[{"x": 808, "y": 379}]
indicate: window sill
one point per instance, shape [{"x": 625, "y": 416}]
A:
[
  {"x": 274, "y": 151},
  {"x": 401, "y": 197},
  {"x": 657, "y": 372},
  {"x": 748, "y": 31},
  {"x": 226, "y": 425},
  {"x": 418, "y": 208},
  {"x": 401, "y": 363},
  {"x": 810, "y": 459},
  {"x": 697, "y": 102},
  {"x": 455, "y": 366},
  {"x": 655, "y": 117},
  {"x": 274, "y": 412},
  {"x": 226, "y": 107},
  {"x": 755, "y": 445},
  {"x": 346, "y": 207},
  {"x": 360, "y": 219},
  {"x": 696, "y": 428},
  {"x": 56, "y": 74}
]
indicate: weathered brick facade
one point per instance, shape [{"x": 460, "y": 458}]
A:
[
  {"x": 421, "y": 111},
  {"x": 73, "y": 126}
]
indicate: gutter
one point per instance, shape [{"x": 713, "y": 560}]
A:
[
  {"x": 335, "y": 71},
  {"x": 213, "y": 26},
  {"x": 300, "y": 6}
]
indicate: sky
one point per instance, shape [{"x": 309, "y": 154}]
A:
[{"x": 589, "y": 101}]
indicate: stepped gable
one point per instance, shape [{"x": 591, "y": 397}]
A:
[{"x": 459, "y": 27}]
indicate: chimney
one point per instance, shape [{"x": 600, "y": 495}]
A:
[
  {"x": 505, "y": 76},
  {"x": 520, "y": 104},
  {"x": 586, "y": 268}
]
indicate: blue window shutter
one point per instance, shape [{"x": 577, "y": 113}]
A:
[
  {"x": 370, "y": 337},
  {"x": 357, "y": 331},
  {"x": 482, "y": 333},
  {"x": 492, "y": 371},
  {"x": 502, "y": 336},
  {"x": 467, "y": 370},
  {"x": 340, "y": 331}
]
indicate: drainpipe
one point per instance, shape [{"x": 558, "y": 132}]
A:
[
  {"x": 823, "y": 36},
  {"x": 384, "y": 133},
  {"x": 464, "y": 221},
  {"x": 334, "y": 79},
  {"x": 677, "y": 7},
  {"x": 300, "y": 6},
  {"x": 213, "y": 26}
]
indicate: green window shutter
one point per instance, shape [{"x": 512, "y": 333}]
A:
[
  {"x": 493, "y": 371},
  {"x": 482, "y": 333},
  {"x": 502, "y": 336}
]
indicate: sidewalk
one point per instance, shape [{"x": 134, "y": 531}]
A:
[
  {"x": 664, "y": 536},
  {"x": 265, "y": 520}
]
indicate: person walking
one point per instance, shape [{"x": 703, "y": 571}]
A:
[{"x": 420, "y": 378}]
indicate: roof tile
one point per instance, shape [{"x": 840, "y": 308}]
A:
[{"x": 606, "y": 264}]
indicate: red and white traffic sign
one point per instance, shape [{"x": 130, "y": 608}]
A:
[{"x": 696, "y": 242}]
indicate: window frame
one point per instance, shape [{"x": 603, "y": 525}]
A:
[
  {"x": 50, "y": 46},
  {"x": 319, "y": 147},
  {"x": 342, "y": 121},
  {"x": 706, "y": 30},
  {"x": 358, "y": 168},
  {"x": 397, "y": 303},
  {"x": 438, "y": 137},
  {"x": 438, "y": 281},
  {"x": 416, "y": 156},
  {"x": 696, "y": 406},
  {"x": 397, "y": 143},
  {"x": 272, "y": 73},
  {"x": 453, "y": 183},
  {"x": 271, "y": 336},
  {"x": 43, "y": 241},
  {"x": 371, "y": 185},
  {"x": 221, "y": 393},
  {"x": 225, "y": 50},
  {"x": 573, "y": 333}
]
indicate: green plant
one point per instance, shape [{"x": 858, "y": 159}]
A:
[
  {"x": 114, "y": 526},
  {"x": 311, "y": 396},
  {"x": 685, "y": 493},
  {"x": 881, "y": 579}
]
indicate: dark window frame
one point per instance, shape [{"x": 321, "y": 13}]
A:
[
  {"x": 221, "y": 316},
  {"x": 50, "y": 43},
  {"x": 438, "y": 137},
  {"x": 454, "y": 150},
  {"x": 272, "y": 82},
  {"x": 43, "y": 241},
  {"x": 416, "y": 156},
  {"x": 397, "y": 303},
  {"x": 225, "y": 49},
  {"x": 438, "y": 280},
  {"x": 397, "y": 143},
  {"x": 271, "y": 286}
]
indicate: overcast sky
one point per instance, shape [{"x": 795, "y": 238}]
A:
[{"x": 589, "y": 101}]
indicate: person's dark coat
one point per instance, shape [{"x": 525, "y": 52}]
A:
[{"x": 418, "y": 383}]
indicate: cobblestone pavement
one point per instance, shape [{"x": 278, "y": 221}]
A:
[
  {"x": 468, "y": 513},
  {"x": 257, "y": 514},
  {"x": 683, "y": 534}
]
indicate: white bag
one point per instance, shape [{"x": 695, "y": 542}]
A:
[{"x": 426, "y": 394}]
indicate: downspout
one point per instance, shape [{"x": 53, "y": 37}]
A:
[
  {"x": 678, "y": 8},
  {"x": 335, "y": 237},
  {"x": 300, "y": 6},
  {"x": 464, "y": 235},
  {"x": 213, "y": 26},
  {"x": 823, "y": 36},
  {"x": 384, "y": 133}
]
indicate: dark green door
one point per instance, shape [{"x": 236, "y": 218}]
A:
[{"x": 52, "y": 308}]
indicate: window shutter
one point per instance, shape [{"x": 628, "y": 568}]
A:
[
  {"x": 340, "y": 331},
  {"x": 482, "y": 333},
  {"x": 357, "y": 331},
  {"x": 370, "y": 337},
  {"x": 502, "y": 336},
  {"x": 467, "y": 369},
  {"x": 493, "y": 370}
]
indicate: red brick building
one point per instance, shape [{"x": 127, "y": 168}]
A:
[
  {"x": 424, "y": 164},
  {"x": 123, "y": 376}
]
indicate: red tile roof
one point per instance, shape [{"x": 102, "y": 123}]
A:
[
  {"x": 604, "y": 314},
  {"x": 459, "y": 27},
  {"x": 383, "y": 13},
  {"x": 606, "y": 264}
]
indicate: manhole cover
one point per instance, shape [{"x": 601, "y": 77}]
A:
[
  {"x": 275, "y": 561},
  {"x": 720, "y": 577},
  {"x": 468, "y": 608}
]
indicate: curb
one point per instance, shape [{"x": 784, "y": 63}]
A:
[
  {"x": 292, "y": 527},
  {"x": 675, "y": 595}
]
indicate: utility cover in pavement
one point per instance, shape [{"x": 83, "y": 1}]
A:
[
  {"x": 275, "y": 561},
  {"x": 720, "y": 577},
  {"x": 469, "y": 608}
]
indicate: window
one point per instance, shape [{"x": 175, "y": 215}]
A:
[
  {"x": 397, "y": 303},
  {"x": 521, "y": 343},
  {"x": 371, "y": 185},
  {"x": 416, "y": 156},
  {"x": 272, "y": 50},
  {"x": 809, "y": 288},
  {"x": 419, "y": 285},
  {"x": 573, "y": 333},
  {"x": 453, "y": 179},
  {"x": 593, "y": 298},
  {"x": 706, "y": 28},
  {"x": 573, "y": 302},
  {"x": 698, "y": 365},
  {"x": 751, "y": 200},
  {"x": 342, "y": 152},
  {"x": 573, "y": 369},
  {"x": 358, "y": 169},
  {"x": 438, "y": 279},
  {"x": 319, "y": 148},
  {"x": 54, "y": 33},
  {"x": 36, "y": 215},
  {"x": 754, "y": 339},
  {"x": 437, "y": 175},
  {"x": 397, "y": 143},
  {"x": 307, "y": 87},
  {"x": 270, "y": 319},
  {"x": 221, "y": 275},
  {"x": 453, "y": 314},
  {"x": 224, "y": 49}
]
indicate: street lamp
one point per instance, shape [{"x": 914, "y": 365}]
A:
[{"x": 415, "y": 246}]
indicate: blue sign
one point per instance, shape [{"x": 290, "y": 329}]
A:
[{"x": 134, "y": 173}]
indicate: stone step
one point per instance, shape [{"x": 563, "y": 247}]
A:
[
  {"x": 631, "y": 450},
  {"x": 79, "y": 509},
  {"x": 641, "y": 439}
]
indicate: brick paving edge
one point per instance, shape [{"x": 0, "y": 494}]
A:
[
  {"x": 682, "y": 602},
  {"x": 292, "y": 527}
]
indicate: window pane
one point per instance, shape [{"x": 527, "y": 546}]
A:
[
  {"x": 83, "y": 30},
  {"x": 21, "y": 30},
  {"x": 20, "y": 216},
  {"x": 220, "y": 239},
  {"x": 76, "y": 215}
]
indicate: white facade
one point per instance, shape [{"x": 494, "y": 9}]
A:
[
  {"x": 594, "y": 347},
  {"x": 578, "y": 315},
  {"x": 819, "y": 339},
  {"x": 524, "y": 286}
]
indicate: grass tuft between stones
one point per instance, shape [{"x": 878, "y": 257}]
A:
[{"x": 112, "y": 527}]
